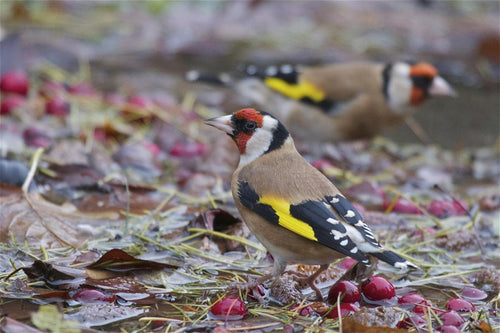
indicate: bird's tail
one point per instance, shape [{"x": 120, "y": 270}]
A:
[{"x": 394, "y": 260}]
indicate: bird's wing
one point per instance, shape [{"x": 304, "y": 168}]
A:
[
  {"x": 286, "y": 80},
  {"x": 346, "y": 211},
  {"x": 361, "y": 233},
  {"x": 311, "y": 219}
]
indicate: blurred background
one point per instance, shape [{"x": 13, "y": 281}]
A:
[{"x": 147, "y": 46}]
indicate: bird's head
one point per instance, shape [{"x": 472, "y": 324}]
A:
[
  {"x": 412, "y": 84},
  {"x": 255, "y": 132}
]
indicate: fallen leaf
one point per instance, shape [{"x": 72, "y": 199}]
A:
[
  {"x": 40, "y": 270},
  {"x": 117, "y": 260},
  {"x": 41, "y": 223},
  {"x": 50, "y": 319}
]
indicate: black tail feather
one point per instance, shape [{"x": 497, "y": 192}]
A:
[
  {"x": 219, "y": 79},
  {"x": 394, "y": 260}
]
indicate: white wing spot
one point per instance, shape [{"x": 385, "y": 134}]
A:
[
  {"x": 332, "y": 220},
  {"x": 271, "y": 70},
  {"x": 360, "y": 224},
  {"x": 334, "y": 200},
  {"x": 350, "y": 213},
  {"x": 344, "y": 242},
  {"x": 337, "y": 234},
  {"x": 251, "y": 70},
  {"x": 286, "y": 68},
  {"x": 354, "y": 250},
  {"x": 401, "y": 265}
]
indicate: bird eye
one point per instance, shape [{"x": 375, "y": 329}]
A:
[{"x": 250, "y": 126}]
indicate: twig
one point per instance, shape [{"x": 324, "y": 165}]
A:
[{"x": 34, "y": 165}]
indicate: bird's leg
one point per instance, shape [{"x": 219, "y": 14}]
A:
[
  {"x": 359, "y": 271},
  {"x": 278, "y": 269},
  {"x": 309, "y": 280},
  {"x": 249, "y": 285},
  {"x": 418, "y": 130}
]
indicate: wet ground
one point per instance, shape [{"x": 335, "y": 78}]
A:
[{"x": 154, "y": 186}]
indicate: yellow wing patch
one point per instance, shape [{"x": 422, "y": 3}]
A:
[
  {"x": 297, "y": 91},
  {"x": 286, "y": 220}
]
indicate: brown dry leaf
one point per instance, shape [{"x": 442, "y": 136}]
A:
[
  {"x": 43, "y": 223},
  {"x": 49, "y": 273},
  {"x": 117, "y": 260},
  {"x": 349, "y": 325}
]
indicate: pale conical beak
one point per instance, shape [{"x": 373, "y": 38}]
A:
[
  {"x": 440, "y": 87},
  {"x": 223, "y": 123}
]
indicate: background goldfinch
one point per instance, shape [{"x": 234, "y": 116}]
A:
[
  {"x": 339, "y": 102},
  {"x": 292, "y": 208}
]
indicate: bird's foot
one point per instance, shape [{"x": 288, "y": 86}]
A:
[
  {"x": 308, "y": 280},
  {"x": 252, "y": 287},
  {"x": 359, "y": 272}
]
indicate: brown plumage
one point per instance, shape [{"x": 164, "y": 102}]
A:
[{"x": 291, "y": 207}]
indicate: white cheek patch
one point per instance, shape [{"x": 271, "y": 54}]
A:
[
  {"x": 260, "y": 141},
  {"x": 399, "y": 89}
]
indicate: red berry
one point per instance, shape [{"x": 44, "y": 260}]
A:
[
  {"x": 460, "y": 207},
  {"x": 10, "y": 103},
  {"x": 305, "y": 311},
  {"x": 257, "y": 292},
  {"x": 422, "y": 307},
  {"x": 57, "y": 106},
  {"x": 189, "y": 150},
  {"x": 14, "y": 82},
  {"x": 152, "y": 147},
  {"x": 410, "y": 322},
  {"x": 229, "y": 308},
  {"x": 410, "y": 299},
  {"x": 139, "y": 101},
  {"x": 402, "y": 206},
  {"x": 93, "y": 296},
  {"x": 458, "y": 304},
  {"x": 376, "y": 288},
  {"x": 451, "y": 318},
  {"x": 413, "y": 321},
  {"x": 345, "y": 309},
  {"x": 473, "y": 294},
  {"x": 443, "y": 209},
  {"x": 347, "y": 263},
  {"x": 82, "y": 89},
  {"x": 428, "y": 230},
  {"x": 448, "y": 329},
  {"x": 349, "y": 292}
]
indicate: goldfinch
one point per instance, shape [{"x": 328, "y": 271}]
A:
[
  {"x": 340, "y": 102},
  {"x": 291, "y": 207}
]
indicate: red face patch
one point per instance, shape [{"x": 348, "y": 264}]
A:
[
  {"x": 241, "y": 141},
  {"x": 244, "y": 115},
  {"x": 250, "y": 114},
  {"x": 417, "y": 96},
  {"x": 423, "y": 69}
]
